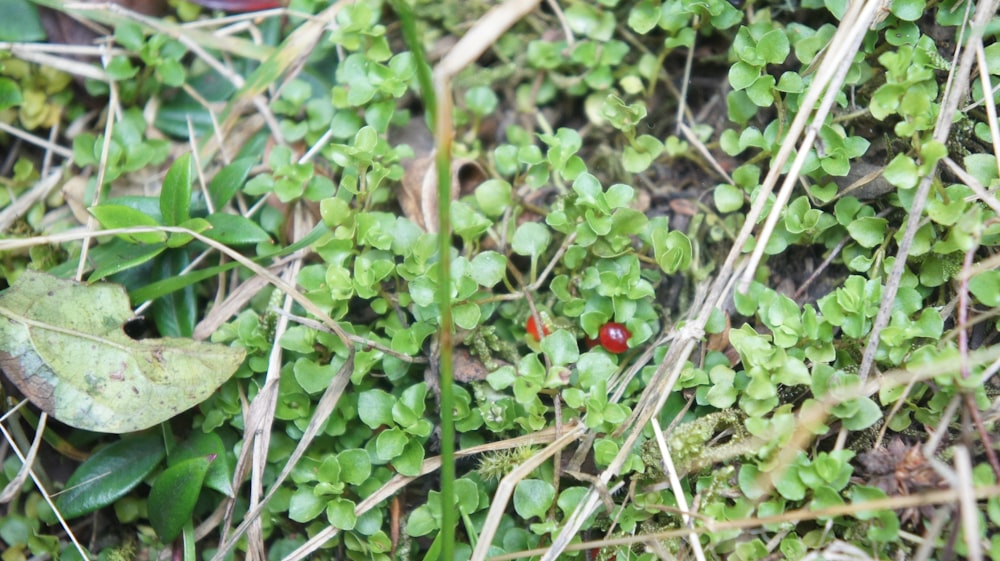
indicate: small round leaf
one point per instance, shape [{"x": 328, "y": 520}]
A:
[{"x": 533, "y": 497}]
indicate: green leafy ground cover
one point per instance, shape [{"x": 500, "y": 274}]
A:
[{"x": 270, "y": 186}]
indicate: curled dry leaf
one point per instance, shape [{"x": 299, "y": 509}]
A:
[
  {"x": 418, "y": 193},
  {"x": 63, "y": 345},
  {"x": 73, "y": 192},
  {"x": 900, "y": 469}
]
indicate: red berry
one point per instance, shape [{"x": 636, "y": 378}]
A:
[
  {"x": 532, "y": 328},
  {"x": 614, "y": 337}
]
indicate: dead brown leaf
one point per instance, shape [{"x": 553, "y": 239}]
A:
[{"x": 418, "y": 191}]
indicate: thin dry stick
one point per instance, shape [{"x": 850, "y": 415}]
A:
[
  {"x": 223, "y": 149},
  {"x": 429, "y": 466},
  {"x": 991, "y": 109},
  {"x": 675, "y": 486},
  {"x": 114, "y": 14},
  {"x": 219, "y": 24},
  {"x": 196, "y": 160},
  {"x": 941, "y": 516},
  {"x": 506, "y": 488},
  {"x": 685, "y": 80},
  {"x": 958, "y": 85},
  {"x": 363, "y": 341},
  {"x": 54, "y": 133},
  {"x": 324, "y": 407},
  {"x": 984, "y": 435},
  {"x": 36, "y": 140},
  {"x": 651, "y": 401},
  {"x": 930, "y": 446},
  {"x": 967, "y": 503},
  {"x": 561, "y": 16},
  {"x": 67, "y": 65},
  {"x": 41, "y": 487},
  {"x": 261, "y": 415},
  {"x": 327, "y": 401},
  {"x": 17, "y": 49},
  {"x": 14, "y": 486},
  {"x": 229, "y": 306},
  {"x": 829, "y": 78},
  {"x": 896, "y": 502},
  {"x": 113, "y": 111},
  {"x": 22, "y": 204},
  {"x": 984, "y": 265},
  {"x": 980, "y": 192},
  {"x": 693, "y": 139}
]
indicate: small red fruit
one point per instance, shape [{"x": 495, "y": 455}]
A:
[
  {"x": 614, "y": 337},
  {"x": 532, "y": 328}
]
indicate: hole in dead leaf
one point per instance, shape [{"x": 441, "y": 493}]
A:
[{"x": 140, "y": 327}]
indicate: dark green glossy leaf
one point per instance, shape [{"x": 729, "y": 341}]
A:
[
  {"x": 175, "y": 198},
  {"x": 119, "y": 216},
  {"x": 119, "y": 255},
  {"x": 165, "y": 286},
  {"x": 176, "y": 313},
  {"x": 109, "y": 474},
  {"x": 232, "y": 229},
  {"x": 19, "y": 21},
  {"x": 174, "y": 495},
  {"x": 228, "y": 181},
  {"x": 202, "y": 444}
]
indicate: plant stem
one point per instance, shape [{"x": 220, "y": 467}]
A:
[{"x": 440, "y": 122}]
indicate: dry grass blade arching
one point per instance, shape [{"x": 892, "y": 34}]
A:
[
  {"x": 825, "y": 86},
  {"x": 27, "y": 470},
  {"x": 958, "y": 84},
  {"x": 430, "y": 465}
]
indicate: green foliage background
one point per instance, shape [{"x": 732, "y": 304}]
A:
[{"x": 596, "y": 206}]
